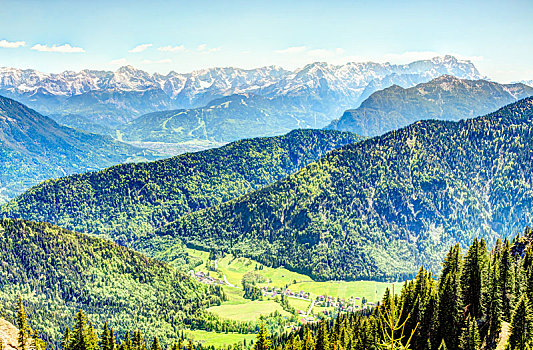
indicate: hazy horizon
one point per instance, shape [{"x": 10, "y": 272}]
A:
[{"x": 161, "y": 36}]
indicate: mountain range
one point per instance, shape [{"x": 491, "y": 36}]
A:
[
  {"x": 381, "y": 207},
  {"x": 223, "y": 120},
  {"x": 127, "y": 201},
  {"x": 112, "y": 98},
  {"x": 444, "y": 98},
  {"x": 34, "y": 148},
  {"x": 247, "y": 115}
]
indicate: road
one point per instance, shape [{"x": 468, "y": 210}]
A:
[
  {"x": 310, "y": 308},
  {"x": 229, "y": 284}
]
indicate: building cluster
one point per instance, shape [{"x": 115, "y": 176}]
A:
[
  {"x": 273, "y": 292},
  {"x": 206, "y": 279}
]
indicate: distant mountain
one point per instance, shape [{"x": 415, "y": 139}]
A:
[
  {"x": 34, "y": 148},
  {"x": 81, "y": 122},
  {"x": 130, "y": 200},
  {"x": 69, "y": 272},
  {"x": 382, "y": 207},
  {"x": 444, "y": 98},
  {"x": 223, "y": 120},
  {"x": 112, "y": 98}
]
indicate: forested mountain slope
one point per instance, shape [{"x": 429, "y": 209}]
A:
[
  {"x": 480, "y": 301},
  {"x": 58, "y": 272},
  {"x": 226, "y": 119},
  {"x": 34, "y": 148},
  {"x": 129, "y": 200},
  {"x": 382, "y": 207},
  {"x": 444, "y": 98}
]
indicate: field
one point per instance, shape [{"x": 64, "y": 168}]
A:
[
  {"x": 218, "y": 339},
  {"x": 371, "y": 291},
  {"x": 236, "y": 268},
  {"x": 248, "y": 311},
  {"x": 240, "y": 309}
]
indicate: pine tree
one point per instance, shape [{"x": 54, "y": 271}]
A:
[
  {"x": 155, "y": 344},
  {"x": 106, "y": 338},
  {"x": 469, "y": 339},
  {"x": 83, "y": 336},
  {"x": 112, "y": 340},
  {"x": 506, "y": 281},
  {"x": 473, "y": 278},
  {"x": 322, "y": 338},
  {"x": 521, "y": 325},
  {"x": 308, "y": 340},
  {"x": 393, "y": 328},
  {"x": 449, "y": 311},
  {"x": 67, "y": 339},
  {"x": 138, "y": 341},
  {"x": 92, "y": 338},
  {"x": 36, "y": 342},
  {"x": 492, "y": 300},
  {"x": 262, "y": 340},
  {"x": 23, "y": 327},
  {"x": 79, "y": 339}
]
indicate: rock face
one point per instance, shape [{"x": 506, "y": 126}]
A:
[
  {"x": 444, "y": 98},
  {"x": 8, "y": 335},
  {"x": 116, "y": 97}
]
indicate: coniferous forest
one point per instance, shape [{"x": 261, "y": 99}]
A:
[
  {"x": 481, "y": 298},
  {"x": 266, "y": 175}
]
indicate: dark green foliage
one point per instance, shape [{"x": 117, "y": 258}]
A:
[
  {"x": 412, "y": 320},
  {"x": 70, "y": 271},
  {"x": 492, "y": 298},
  {"x": 22, "y": 325},
  {"x": 251, "y": 291},
  {"x": 444, "y": 98},
  {"x": 521, "y": 325},
  {"x": 470, "y": 337},
  {"x": 262, "y": 341},
  {"x": 506, "y": 281},
  {"x": 450, "y": 307},
  {"x": 475, "y": 263},
  {"x": 35, "y": 148},
  {"x": 382, "y": 207},
  {"x": 126, "y": 201},
  {"x": 155, "y": 344}
]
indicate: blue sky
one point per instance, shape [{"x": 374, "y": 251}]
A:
[{"x": 160, "y": 36}]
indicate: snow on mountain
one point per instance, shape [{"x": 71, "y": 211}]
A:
[{"x": 319, "y": 86}]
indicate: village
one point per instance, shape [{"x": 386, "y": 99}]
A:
[{"x": 327, "y": 304}]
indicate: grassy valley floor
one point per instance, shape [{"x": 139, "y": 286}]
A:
[{"x": 322, "y": 297}]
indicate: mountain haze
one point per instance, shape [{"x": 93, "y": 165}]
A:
[
  {"x": 444, "y": 98},
  {"x": 34, "y": 148},
  {"x": 112, "y": 98},
  {"x": 223, "y": 120}
]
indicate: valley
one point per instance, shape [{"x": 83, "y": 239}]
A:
[
  {"x": 319, "y": 300},
  {"x": 277, "y": 175}
]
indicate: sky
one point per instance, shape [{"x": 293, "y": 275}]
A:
[{"x": 162, "y": 36}]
